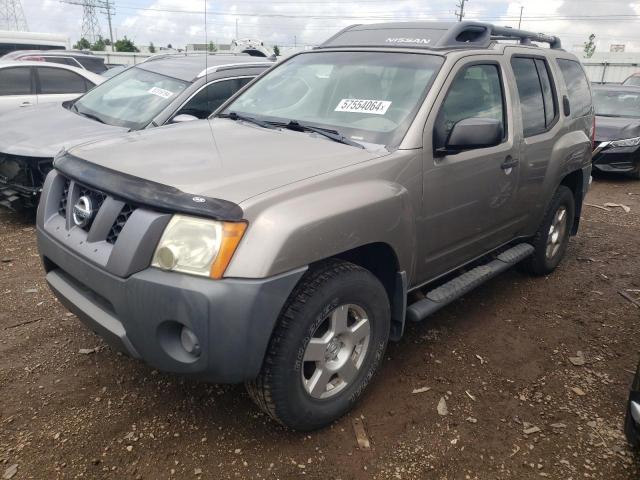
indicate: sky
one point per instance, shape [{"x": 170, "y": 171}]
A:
[{"x": 309, "y": 22}]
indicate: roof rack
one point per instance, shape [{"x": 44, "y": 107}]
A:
[
  {"x": 161, "y": 56},
  {"x": 433, "y": 35}
]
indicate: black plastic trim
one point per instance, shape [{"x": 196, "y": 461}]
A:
[{"x": 141, "y": 192}]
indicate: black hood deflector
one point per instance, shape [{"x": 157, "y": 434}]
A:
[{"x": 143, "y": 192}]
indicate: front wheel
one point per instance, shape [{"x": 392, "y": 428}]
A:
[
  {"x": 552, "y": 238},
  {"x": 329, "y": 342}
]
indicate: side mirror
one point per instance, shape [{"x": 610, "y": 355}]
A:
[
  {"x": 472, "y": 133},
  {"x": 184, "y": 117}
]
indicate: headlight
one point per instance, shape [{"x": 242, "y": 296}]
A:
[
  {"x": 198, "y": 246},
  {"x": 627, "y": 142}
]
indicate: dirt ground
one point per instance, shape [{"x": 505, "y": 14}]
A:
[{"x": 517, "y": 406}]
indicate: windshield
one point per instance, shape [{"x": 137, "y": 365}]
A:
[
  {"x": 131, "y": 99},
  {"x": 365, "y": 96},
  {"x": 616, "y": 103}
]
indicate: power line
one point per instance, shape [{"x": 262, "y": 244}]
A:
[{"x": 12, "y": 16}]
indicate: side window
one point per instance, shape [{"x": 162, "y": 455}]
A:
[
  {"x": 537, "y": 104},
  {"x": 577, "y": 87},
  {"x": 60, "y": 81},
  {"x": 15, "y": 81},
  {"x": 62, "y": 60},
  {"x": 211, "y": 97},
  {"x": 476, "y": 92},
  {"x": 550, "y": 102}
]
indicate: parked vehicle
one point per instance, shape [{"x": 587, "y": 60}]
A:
[
  {"x": 11, "y": 40},
  {"x": 24, "y": 84},
  {"x": 617, "y": 139},
  {"x": 282, "y": 243},
  {"x": 632, "y": 420},
  {"x": 632, "y": 80},
  {"x": 173, "y": 89},
  {"x": 73, "y": 58}
]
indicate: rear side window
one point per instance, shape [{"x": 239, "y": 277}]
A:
[
  {"x": 577, "y": 87},
  {"x": 63, "y": 60},
  {"x": 211, "y": 97},
  {"x": 95, "y": 65},
  {"x": 534, "y": 90},
  {"x": 59, "y": 81},
  {"x": 15, "y": 81},
  {"x": 476, "y": 92}
]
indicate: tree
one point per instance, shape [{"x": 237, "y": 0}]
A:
[
  {"x": 82, "y": 44},
  {"x": 169, "y": 45},
  {"x": 276, "y": 50},
  {"x": 212, "y": 47},
  {"x": 99, "y": 46},
  {"x": 152, "y": 48},
  {"x": 590, "y": 46},
  {"x": 125, "y": 45}
]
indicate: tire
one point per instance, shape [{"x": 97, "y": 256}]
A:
[
  {"x": 544, "y": 261},
  {"x": 636, "y": 172},
  {"x": 331, "y": 294}
]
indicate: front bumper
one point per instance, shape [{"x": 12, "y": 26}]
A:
[
  {"x": 616, "y": 159},
  {"x": 142, "y": 315}
]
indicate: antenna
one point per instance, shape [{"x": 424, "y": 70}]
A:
[
  {"x": 206, "y": 47},
  {"x": 12, "y": 16}
]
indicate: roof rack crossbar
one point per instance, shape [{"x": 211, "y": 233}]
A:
[{"x": 506, "y": 33}]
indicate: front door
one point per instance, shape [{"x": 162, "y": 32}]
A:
[{"x": 468, "y": 200}]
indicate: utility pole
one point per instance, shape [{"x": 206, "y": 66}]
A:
[
  {"x": 12, "y": 16},
  {"x": 520, "y": 21},
  {"x": 236, "y": 29},
  {"x": 109, "y": 10},
  {"x": 460, "y": 13}
]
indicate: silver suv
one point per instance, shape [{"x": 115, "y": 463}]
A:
[{"x": 285, "y": 241}]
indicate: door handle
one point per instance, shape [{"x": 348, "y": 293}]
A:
[
  {"x": 510, "y": 162},
  {"x": 26, "y": 104}
]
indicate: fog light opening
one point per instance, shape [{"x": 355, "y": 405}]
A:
[{"x": 190, "y": 342}]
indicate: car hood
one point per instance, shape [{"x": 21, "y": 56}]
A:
[
  {"x": 616, "y": 128},
  {"x": 44, "y": 130},
  {"x": 223, "y": 159}
]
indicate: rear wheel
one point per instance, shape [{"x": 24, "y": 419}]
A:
[
  {"x": 328, "y": 344},
  {"x": 552, "y": 238}
]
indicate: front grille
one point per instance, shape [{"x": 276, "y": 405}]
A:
[
  {"x": 62, "y": 207},
  {"x": 119, "y": 223},
  {"x": 75, "y": 191}
]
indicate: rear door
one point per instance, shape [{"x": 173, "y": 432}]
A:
[
  {"x": 16, "y": 88},
  {"x": 468, "y": 201},
  {"x": 538, "y": 119},
  {"x": 59, "y": 85}
]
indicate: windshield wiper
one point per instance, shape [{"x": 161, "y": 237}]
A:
[
  {"x": 325, "y": 132},
  {"x": 238, "y": 116},
  {"x": 87, "y": 115}
]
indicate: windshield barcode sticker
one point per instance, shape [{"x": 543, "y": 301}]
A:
[
  {"x": 160, "y": 92},
  {"x": 355, "y": 105}
]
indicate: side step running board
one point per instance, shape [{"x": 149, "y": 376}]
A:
[{"x": 459, "y": 286}]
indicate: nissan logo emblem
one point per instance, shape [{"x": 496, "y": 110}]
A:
[{"x": 83, "y": 212}]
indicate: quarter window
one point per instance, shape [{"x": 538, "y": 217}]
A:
[
  {"x": 476, "y": 92},
  {"x": 60, "y": 81},
  {"x": 15, "y": 81},
  {"x": 537, "y": 104},
  {"x": 577, "y": 87}
]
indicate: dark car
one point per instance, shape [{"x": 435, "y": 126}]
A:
[
  {"x": 617, "y": 136},
  {"x": 171, "y": 89},
  {"x": 632, "y": 421},
  {"x": 73, "y": 58}
]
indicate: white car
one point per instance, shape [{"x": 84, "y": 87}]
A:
[{"x": 30, "y": 83}]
